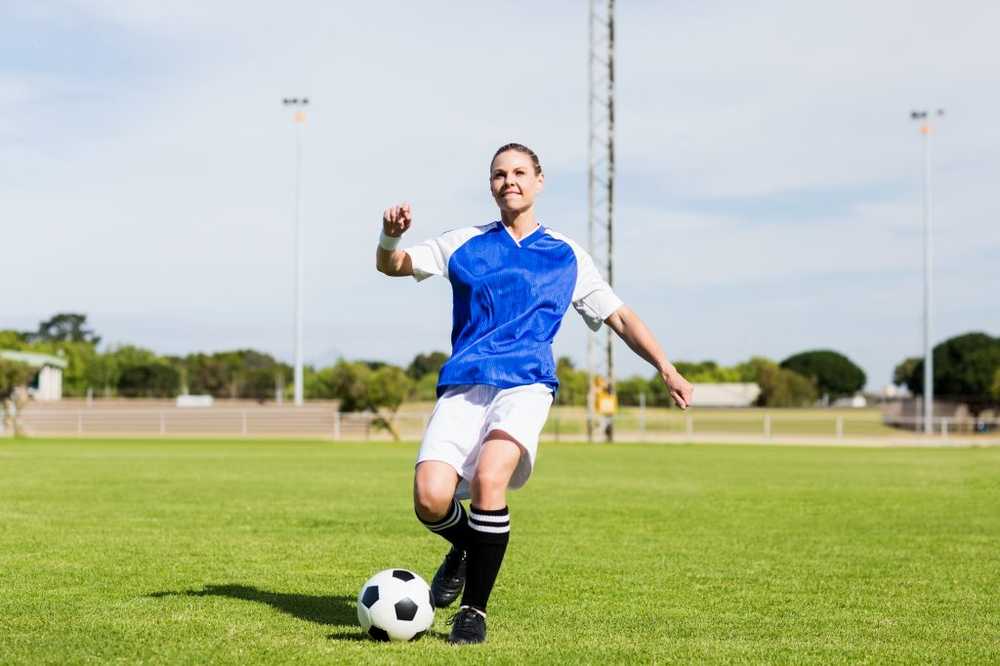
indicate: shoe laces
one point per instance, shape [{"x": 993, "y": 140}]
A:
[{"x": 467, "y": 617}]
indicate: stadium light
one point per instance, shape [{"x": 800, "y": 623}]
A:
[
  {"x": 924, "y": 117},
  {"x": 300, "y": 119}
]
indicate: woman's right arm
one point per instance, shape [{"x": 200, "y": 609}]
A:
[{"x": 394, "y": 262}]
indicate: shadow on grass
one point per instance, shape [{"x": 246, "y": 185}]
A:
[
  {"x": 337, "y": 610},
  {"x": 333, "y": 610}
]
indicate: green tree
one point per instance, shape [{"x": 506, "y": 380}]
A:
[
  {"x": 15, "y": 340},
  {"x": 780, "y": 387},
  {"x": 65, "y": 327},
  {"x": 241, "y": 373},
  {"x": 572, "y": 383},
  {"x": 995, "y": 391},
  {"x": 361, "y": 389},
  {"x": 707, "y": 372},
  {"x": 835, "y": 375},
  {"x": 423, "y": 364},
  {"x": 260, "y": 384},
  {"x": 629, "y": 389},
  {"x": 386, "y": 389},
  {"x": 14, "y": 376},
  {"x": 102, "y": 373},
  {"x": 149, "y": 380},
  {"x": 425, "y": 388},
  {"x": 964, "y": 367},
  {"x": 901, "y": 373}
]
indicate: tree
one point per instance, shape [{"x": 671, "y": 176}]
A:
[
  {"x": 707, "y": 372},
  {"x": 149, "y": 380},
  {"x": 425, "y": 388},
  {"x": 780, "y": 387},
  {"x": 360, "y": 389},
  {"x": 629, "y": 389},
  {"x": 833, "y": 373},
  {"x": 902, "y": 372},
  {"x": 995, "y": 391},
  {"x": 423, "y": 364},
  {"x": 14, "y": 375},
  {"x": 386, "y": 389},
  {"x": 16, "y": 340},
  {"x": 964, "y": 367},
  {"x": 65, "y": 327},
  {"x": 572, "y": 383},
  {"x": 102, "y": 373},
  {"x": 242, "y": 373}
]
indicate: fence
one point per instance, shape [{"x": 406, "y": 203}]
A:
[{"x": 563, "y": 424}]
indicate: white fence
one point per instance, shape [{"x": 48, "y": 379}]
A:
[{"x": 327, "y": 423}]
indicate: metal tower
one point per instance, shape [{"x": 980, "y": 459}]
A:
[{"x": 600, "y": 197}]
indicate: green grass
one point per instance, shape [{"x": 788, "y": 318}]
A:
[{"x": 253, "y": 552}]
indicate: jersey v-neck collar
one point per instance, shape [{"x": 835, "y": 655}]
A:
[{"x": 526, "y": 239}]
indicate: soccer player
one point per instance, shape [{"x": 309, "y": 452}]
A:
[{"x": 512, "y": 281}]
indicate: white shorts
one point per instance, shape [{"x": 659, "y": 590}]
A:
[{"x": 465, "y": 414}]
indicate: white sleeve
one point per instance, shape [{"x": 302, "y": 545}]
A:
[
  {"x": 431, "y": 257},
  {"x": 593, "y": 297}
]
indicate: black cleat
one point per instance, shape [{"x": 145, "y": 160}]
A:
[
  {"x": 449, "y": 579},
  {"x": 468, "y": 627}
]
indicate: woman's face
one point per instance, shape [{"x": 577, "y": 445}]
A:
[{"x": 513, "y": 181}]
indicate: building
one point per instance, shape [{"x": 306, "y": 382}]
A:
[
  {"x": 726, "y": 395},
  {"x": 47, "y": 384}
]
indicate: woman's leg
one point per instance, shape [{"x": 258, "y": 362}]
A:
[
  {"x": 434, "y": 501},
  {"x": 434, "y": 484},
  {"x": 489, "y": 519}
]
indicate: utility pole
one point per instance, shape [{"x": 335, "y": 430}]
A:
[
  {"x": 300, "y": 118},
  {"x": 600, "y": 198},
  {"x": 924, "y": 117}
]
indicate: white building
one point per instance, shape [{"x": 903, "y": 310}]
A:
[
  {"x": 47, "y": 384},
  {"x": 726, "y": 395}
]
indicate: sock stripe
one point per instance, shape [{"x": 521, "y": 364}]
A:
[
  {"x": 479, "y": 518},
  {"x": 450, "y": 520},
  {"x": 492, "y": 529},
  {"x": 494, "y": 521}
]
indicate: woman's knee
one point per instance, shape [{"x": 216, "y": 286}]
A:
[
  {"x": 432, "y": 497},
  {"x": 490, "y": 481}
]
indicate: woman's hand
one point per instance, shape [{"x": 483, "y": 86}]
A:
[
  {"x": 396, "y": 220},
  {"x": 680, "y": 389}
]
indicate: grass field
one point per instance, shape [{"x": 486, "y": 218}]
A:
[{"x": 253, "y": 552}]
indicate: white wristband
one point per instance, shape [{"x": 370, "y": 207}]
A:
[{"x": 387, "y": 242}]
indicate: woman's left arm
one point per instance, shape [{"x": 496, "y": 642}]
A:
[{"x": 640, "y": 339}]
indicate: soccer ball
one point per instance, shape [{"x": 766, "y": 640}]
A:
[{"x": 395, "y": 605}]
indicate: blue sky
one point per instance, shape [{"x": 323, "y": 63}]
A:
[{"x": 769, "y": 178}]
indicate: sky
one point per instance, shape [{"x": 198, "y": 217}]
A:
[{"x": 769, "y": 177}]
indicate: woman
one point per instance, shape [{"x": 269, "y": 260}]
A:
[{"x": 512, "y": 282}]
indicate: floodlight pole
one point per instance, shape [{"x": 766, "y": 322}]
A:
[
  {"x": 924, "y": 117},
  {"x": 300, "y": 119},
  {"x": 600, "y": 191}
]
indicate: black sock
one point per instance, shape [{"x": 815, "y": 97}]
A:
[
  {"x": 454, "y": 527},
  {"x": 488, "y": 537}
]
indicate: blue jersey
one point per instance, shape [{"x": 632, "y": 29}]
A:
[{"x": 508, "y": 301}]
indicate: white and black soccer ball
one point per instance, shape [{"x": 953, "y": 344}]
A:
[{"x": 395, "y": 605}]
